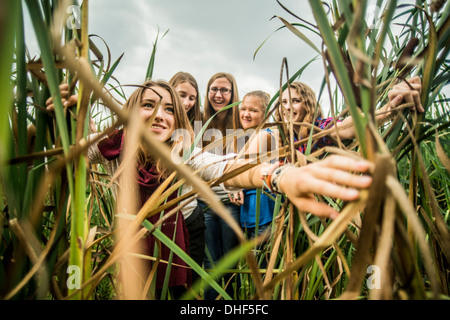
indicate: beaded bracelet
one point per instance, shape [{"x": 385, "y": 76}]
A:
[
  {"x": 266, "y": 176},
  {"x": 277, "y": 174}
]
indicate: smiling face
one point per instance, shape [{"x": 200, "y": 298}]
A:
[
  {"x": 164, "y": 123},
  {"x": 251, "y": 112},
  {"x": 187, "y": 94},
  {"x": 295, "y": 104},
  {"x": 219, "y": 98}
]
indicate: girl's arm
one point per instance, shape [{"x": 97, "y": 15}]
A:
[
  {"x": 400, "y": 93},
  {"x": 335, "y": 176}
]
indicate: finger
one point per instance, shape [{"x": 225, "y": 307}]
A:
[
  {"x": 418, "y": 103},
  {"x": 71, "y": 101},
  {"x": 344, "y": 178},
  {"x": 240, "y": 200},
  {"x": 408, "y": 86},
  {"x": 64, "y": 94},
  {"x": 64, "y": 87},
  {"x": 343, "y": 163},
  {"x": 317, "y": 208},
  {"x": 414, "y": 99},
  {"x": 404, "y": 88},
  {"x": 232, "y": 198},
  {"x": 415, "y": 80},
  {"x": 325, "y": 185},
  {"x": 330, "y": 189},
  {"x": 395, "y": 102},
  {"x": 398, "y": 97}
]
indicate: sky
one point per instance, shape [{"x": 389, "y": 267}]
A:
[{"x": 205, "y": 37}]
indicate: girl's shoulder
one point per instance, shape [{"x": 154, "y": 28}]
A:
[{"x": 323, "y": 122}]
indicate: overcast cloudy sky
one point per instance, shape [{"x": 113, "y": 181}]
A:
[{"x": 205, "y": 37}]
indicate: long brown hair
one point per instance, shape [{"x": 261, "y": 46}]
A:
[
  {"x": 263, "y": 97},
  {"x": 194, "y": 114},
  {"x": 232, "y": 115},
  {"x": 310, "y": 104},
  {"x": 182, "y": 125}
]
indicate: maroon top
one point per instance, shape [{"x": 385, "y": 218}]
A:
[{"x": 148, "y": 180}]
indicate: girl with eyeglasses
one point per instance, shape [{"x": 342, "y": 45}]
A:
[{"x": 222, "y": 91}]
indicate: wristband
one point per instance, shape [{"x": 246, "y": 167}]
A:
[
  {"x": 267, "y": 176},
  {"x": 277, "y": 174}
]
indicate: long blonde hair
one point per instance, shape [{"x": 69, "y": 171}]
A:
[
  {"x": 310, "y": 104},
  {"x": 181, "y": 122},
  {"x": 264, "y": 97}
]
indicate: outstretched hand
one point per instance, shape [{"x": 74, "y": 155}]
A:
[
  {"x": 407, "y": 91},
  {"x": 237, "y": 198},
  {"x": 336, "y": 176},
  {"x": 67, "y": 100}
]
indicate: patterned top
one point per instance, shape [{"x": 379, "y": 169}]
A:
[{"x": 322, "y": 142}]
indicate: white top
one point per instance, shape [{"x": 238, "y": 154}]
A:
[{"x": 210, "y": 166}]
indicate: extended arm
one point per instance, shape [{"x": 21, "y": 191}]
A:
[
  {"x": 400, "y": 93},
  {"x": 335, "y": 176}
]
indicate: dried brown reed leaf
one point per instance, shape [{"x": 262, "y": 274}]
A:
[
  {"x": 85, "y": 74},
  {"x": 117, "y": 254},
  {"x": 278, "y": 235},
  {"x": 362, "y": 257},
  {"x": 127, "y": 204},
  {"x": 328, "y": 237},
  {"x": 408, "y": 210},
  {"x": 441, "y": 226},
  {"x": 405, "y": 62},
  {"x": 384, "y": 248},
  {"x": 36, "y": 255},
  {"x": 160, "y": 150}
]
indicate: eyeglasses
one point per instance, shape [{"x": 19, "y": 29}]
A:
[{"x": 223, "y": 91}]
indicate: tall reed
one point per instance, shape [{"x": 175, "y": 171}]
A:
[{"x": 67, "y": 234}]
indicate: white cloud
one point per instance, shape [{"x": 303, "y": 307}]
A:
[{"x": 206, "y": 37}]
